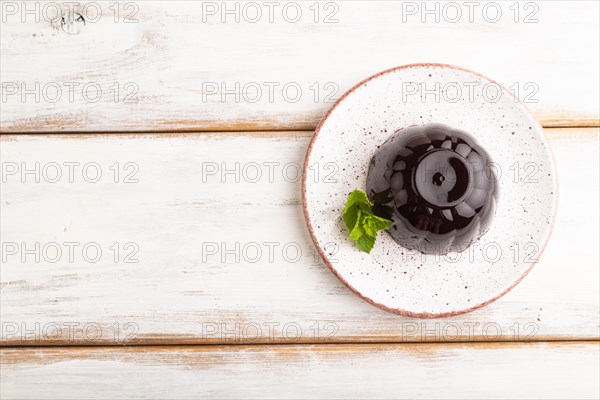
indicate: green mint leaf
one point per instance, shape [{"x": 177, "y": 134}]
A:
[
  {"x": 357, "y": 197},
  {"x": 379, "y": 223},
  {"x": 372, "y": 223},
  {"x": 357, "y": 231},
  {"x": 351, "y": 217},
  {"x": 357, "y": 202},
  {"x": 361, "y": 222},
  {"x": 366, "y": 243}
]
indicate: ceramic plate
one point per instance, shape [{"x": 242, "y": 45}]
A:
[{"x": 405, "y": 281}]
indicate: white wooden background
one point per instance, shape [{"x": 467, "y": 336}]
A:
[{"x": 277, "y": 325}]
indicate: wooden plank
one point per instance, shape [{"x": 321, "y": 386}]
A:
[
  {"x": 176, "y": 66},
  {"x": 201, "y": 258},
  {"x": 540, "y": 370}
]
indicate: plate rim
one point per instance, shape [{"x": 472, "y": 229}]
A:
[{"x": 399, "y": 311}]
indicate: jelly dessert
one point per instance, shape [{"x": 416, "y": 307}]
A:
[{"x": 436, "y": 185}]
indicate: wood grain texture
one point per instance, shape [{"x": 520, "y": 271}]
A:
[
  {"x": 541, "y": 370},
  {"x": 159, "y": 66},
  {"x": 220, "y": 261}
]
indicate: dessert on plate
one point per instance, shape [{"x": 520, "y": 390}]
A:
[{"x": 436, "y": 185}]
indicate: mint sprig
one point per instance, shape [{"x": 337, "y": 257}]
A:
[{"x": 361, "y": 222}]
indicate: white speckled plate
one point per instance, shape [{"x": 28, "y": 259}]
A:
[{"x": 404, "y": 281}]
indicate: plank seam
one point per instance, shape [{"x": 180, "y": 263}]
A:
[{"x": 309, "y": 343}]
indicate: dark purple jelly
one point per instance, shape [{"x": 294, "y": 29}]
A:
[{"x": 437, "y": 186}]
